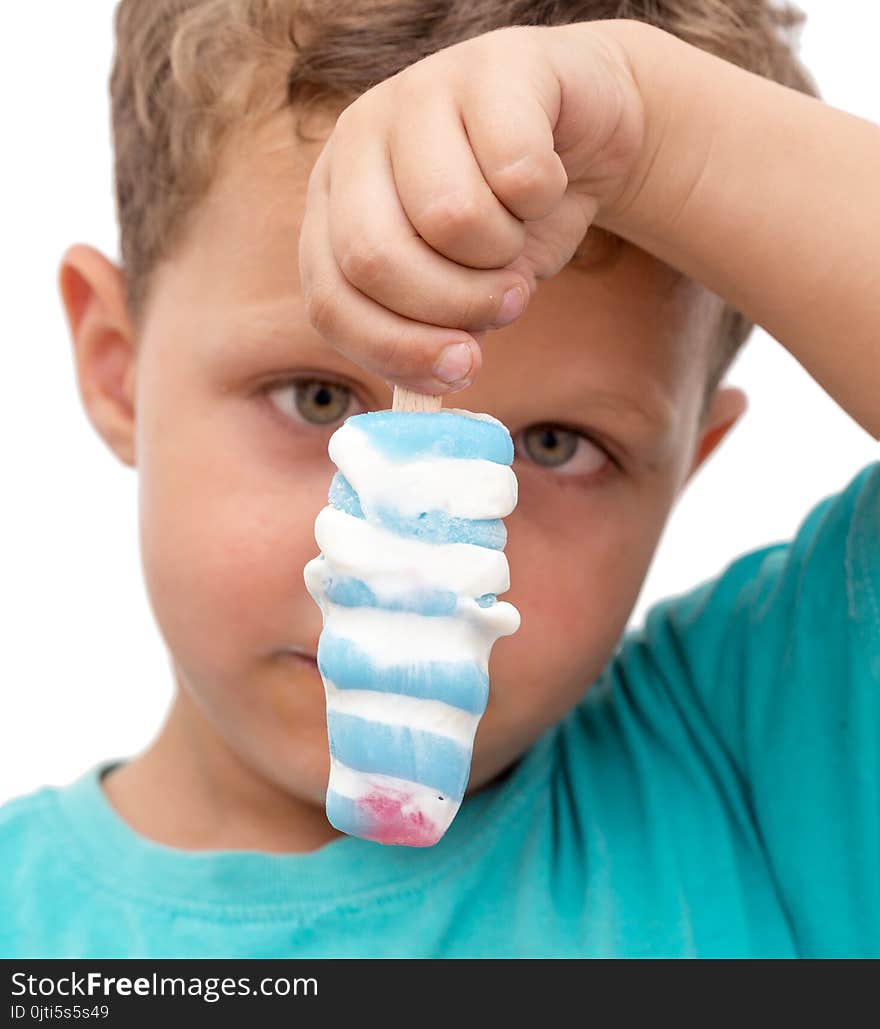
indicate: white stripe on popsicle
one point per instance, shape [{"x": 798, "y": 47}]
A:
[
  {"x": 366, "y": 551},
  {"x": 406, "y": 638},
  {"x": 431, "y": 716}
]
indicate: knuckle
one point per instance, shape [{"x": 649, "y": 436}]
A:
[
  {"x": 400, "y": 357},
  {"x": 364, "y": 261},
  {"x": 521, "y": 179},
  {"x": 475, "y": 309},
  {"x": 320, "y": 307},
  {"x": 448, "y": 217},
  {"x": 387, "y": 353}
]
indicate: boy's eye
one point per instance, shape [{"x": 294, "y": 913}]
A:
[
  {"x": 555, "y": 447},
  {"x": 313, "y": 400}
]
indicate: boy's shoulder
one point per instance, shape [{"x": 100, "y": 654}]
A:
[
  {"x": 771, "y": 611},
  {"x": 24, "y": 818},
  {"x": 41, "y": 820},
  {"x": 765, "y": 677},
  {"x": 28, "y": 834},
  {"x": 40, "y": 873},
  {"x": 24, "y": 849}
]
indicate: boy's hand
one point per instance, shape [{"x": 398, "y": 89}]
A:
[{"x": 444, "y": 193}]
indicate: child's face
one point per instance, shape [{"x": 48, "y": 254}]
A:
[{"x": 233, "y": 468}]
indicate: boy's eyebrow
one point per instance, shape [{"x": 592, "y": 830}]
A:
[
  {"x": 278, "y": 330},
  {"x": 653, "y": 411}
]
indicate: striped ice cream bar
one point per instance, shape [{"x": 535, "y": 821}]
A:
[{"x": 410, "y": 570}]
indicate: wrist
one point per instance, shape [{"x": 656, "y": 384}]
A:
[{"x": 675, "y": 91}]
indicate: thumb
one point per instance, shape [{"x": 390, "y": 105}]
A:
[{"x": 551, "y": 242}]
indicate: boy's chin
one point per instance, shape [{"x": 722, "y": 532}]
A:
[{"x": 301, "y": 775}]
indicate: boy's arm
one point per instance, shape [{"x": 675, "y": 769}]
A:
[{"x": 767, "y": 196}]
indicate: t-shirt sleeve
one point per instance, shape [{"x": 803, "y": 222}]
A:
[{"x": 778, "y": 661}]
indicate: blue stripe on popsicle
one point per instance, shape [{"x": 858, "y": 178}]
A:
[
  {"x": 348, "y": 816},
  {"x": 407, "y": 435},
  {"x": 462, "y": 684},
  {"x": 399, "y": 751},
  {"x": 350, "y": 592},
  {"x": 428, "y": 526},
  {"x": 343, "y": 496}
]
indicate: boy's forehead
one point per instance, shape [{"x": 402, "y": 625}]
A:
[
  {"x": 249, "y": 220},
  {"x": 629, "y": 341}
]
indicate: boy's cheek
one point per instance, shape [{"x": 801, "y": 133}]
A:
[
  {"x": 574, "y": 602},
  {"x": 226, "y": 567}
]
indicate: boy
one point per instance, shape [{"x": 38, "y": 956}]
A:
[{"x": 704, "y": 786}]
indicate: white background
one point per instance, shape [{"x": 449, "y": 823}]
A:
[{"x": 84, "y": 674}]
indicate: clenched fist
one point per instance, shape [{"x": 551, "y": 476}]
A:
[{"x": 444, "y": 194}]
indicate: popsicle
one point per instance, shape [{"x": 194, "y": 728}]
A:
[{"x": 408, "y": 579}]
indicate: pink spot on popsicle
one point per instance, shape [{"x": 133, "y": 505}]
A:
[{"x": 391, "y": 824}]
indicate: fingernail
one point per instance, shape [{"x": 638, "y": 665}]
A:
[
  {"x": 512, "y": 305},
  {"x": 455, "y": 363}
]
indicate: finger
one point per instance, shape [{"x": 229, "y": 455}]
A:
[
  {"x": 380, "y": 253},
  {"x": 509, "y": 124},
  {"x": 421, "y": 357},
  {"x": 551, "y": 242},
  {"x": 442, "y": 190}
]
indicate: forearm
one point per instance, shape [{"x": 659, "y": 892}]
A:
[{"x": 767, "y": 196}]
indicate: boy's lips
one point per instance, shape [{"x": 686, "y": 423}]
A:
[{"x": 302, "y": 655}]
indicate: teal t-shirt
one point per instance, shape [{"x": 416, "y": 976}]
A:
[{"x": 715, "y": 793}]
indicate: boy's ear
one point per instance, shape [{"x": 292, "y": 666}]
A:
[
  {"x": 93, "y": 293},
  {"x": 725, "y": 409}
]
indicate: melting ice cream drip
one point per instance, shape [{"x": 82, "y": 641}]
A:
[{"x": 410, "y": 569}]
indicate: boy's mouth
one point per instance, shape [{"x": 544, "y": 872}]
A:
[{"x": 304, "y": 656}]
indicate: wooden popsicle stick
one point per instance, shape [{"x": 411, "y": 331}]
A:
[{"x": 407, "y": 400}]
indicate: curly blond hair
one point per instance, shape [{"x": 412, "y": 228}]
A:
[{"x": 188, "y": 73}]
